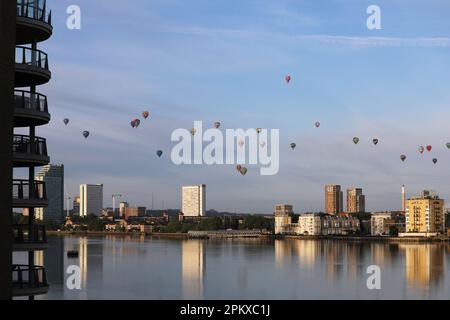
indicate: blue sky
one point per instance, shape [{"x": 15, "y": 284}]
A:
[{"x": 186, "y": 60}]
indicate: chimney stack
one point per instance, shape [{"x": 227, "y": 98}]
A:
[{"x": 403, "y": 198}]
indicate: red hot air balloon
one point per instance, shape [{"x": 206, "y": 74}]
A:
[
  {"x": 429, "y": 148},
  {"x": 288, "y": 78}
]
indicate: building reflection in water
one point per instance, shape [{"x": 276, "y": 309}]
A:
[
  {"x": 83, "y": 260},
  {"x": 354, "y": 258},
  {"x": 281, "y": 251},
  {"x": 52, "y": 259},
  {"x": 193, "y": 265},
  {"x": 307, "y": 252},
  {"x": 338, "y": 257},
  {"x": 302, "y": 251},
  {"x": 424, "y": 265},
  {"x": 334, "y": 258}
]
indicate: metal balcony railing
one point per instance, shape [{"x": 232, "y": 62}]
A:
[
  {"x": 26, "y": 277},
  {"x": 28, "y": 9},
  {"x": 29, "y": 234},
  {"x": 24, "y": 144},
  {"x": 31, "y": 57},
  {"x": 30, "y": 101},
  {"x": 23, "y": 190}
]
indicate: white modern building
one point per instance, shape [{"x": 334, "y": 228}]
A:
[
  {"x": 53, "y": 177},
  {"x": 193, "y": 201},
  {"x": 380, "y": 223},
  {"x": 91, "y": 199},
  {"x": 309, "y": 224}
]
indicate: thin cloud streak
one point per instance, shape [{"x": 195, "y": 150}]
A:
[{"x": 320, "y": 38}]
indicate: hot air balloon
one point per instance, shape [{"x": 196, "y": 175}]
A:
[
  {"x": 86, "y": 134},
  {"x": 145, "y": 114},
  {"x": 258, "y": 130},
  {"x": 375, "y": 141},
  {"x": 429, "y": 148},
  {"x": 66, "y": 121},
  {"x": 448, "y": 145},
  {"x": 262, "y": 144},
  {"x": 238, "y": 167},
  {"x": 403, "y": 157},
  {"x": 435, "y": 160},
  {"x": 159, "y": 153},
  {"x": 356, "y": 140},
  {"x": 241, "y": 143},
  {"x": 293, "y": 146},
  {"x": 421, "y": 149},
  {"x": 243, "y": 171},
  {"x": 135, "y": 123},
  {"x": 193, "y": 131},
  {"x": 217, "y": 125},
  {"x": 288, "y": 78},
  {"x": 317, "y": 124}
]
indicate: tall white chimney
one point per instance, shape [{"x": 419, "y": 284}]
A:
[{"x": 403, "y": 198}]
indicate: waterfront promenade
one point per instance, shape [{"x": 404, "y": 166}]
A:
[{"x": 251, "y": 234}]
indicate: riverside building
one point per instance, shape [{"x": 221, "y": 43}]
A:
[
  {"x": 425, "y": 214},
  {"x": 193, "y": 201}
]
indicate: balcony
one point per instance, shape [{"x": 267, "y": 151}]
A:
[
  {"x": 29, "y": 237},
  {"x": 30, "y": 109},
  {"x": 34, "y": 23},
  {"x": 26, "y": 195},
  {"x": 31, "y": 67},
  {"x": 27, "y": 151},
  {"x": 28, "y": 281}
]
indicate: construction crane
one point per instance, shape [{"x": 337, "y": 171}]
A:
[{"x": 114, "y": 196}]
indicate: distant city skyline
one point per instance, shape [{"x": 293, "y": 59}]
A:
[
  {"x": 193, "y": 198},
  {"x": 183, "y": 65}
]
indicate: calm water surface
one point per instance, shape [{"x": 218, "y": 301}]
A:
[{"x": 149, "y": 268}]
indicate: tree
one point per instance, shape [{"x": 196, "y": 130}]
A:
[
  {"x": 393, "y": 231},
  {"x": 210, "y": 224},
  {"x": 257, "y": 222}
]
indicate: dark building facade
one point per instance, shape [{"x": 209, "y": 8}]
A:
[
  {"x": 7, "y": 43},
  {"x": 23, "y": 25}
]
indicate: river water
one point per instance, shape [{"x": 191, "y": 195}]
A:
[{"x": 114, "y": 267}]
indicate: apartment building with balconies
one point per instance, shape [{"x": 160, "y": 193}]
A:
[{"x": 23, "y": 29}]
